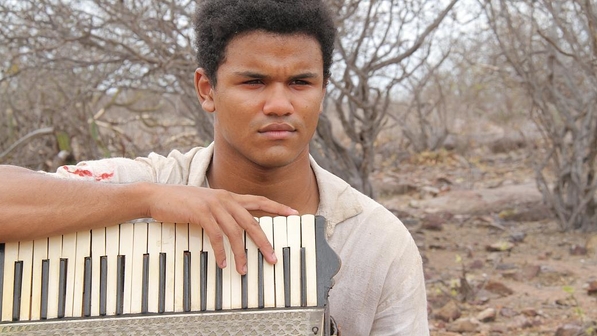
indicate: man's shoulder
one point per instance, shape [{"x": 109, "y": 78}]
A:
[
  {"x": 174, "y": 168},
  {"x": 375, "y": 213},
  {"x": 180, "y": 167},
  {"x": 345, "y": 204}
]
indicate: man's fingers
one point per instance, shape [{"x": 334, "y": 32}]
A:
[
  {"x": 216, "y": 239},
  {"x": 254, "y": 231},
  {"x": 229, "y": 226},
  {"x": 229, "y": 217},
  {"x": 252, "y": 203}
]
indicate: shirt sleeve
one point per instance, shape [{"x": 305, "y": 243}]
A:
[
  {"x": 403, "y": 306},
  {"x": 171, "y": 169},
  {"x": 113, "y": 170}
]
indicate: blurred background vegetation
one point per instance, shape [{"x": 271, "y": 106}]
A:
[{"x": 87, "y": 79}]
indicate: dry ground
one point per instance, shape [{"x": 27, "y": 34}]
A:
[{"x": 496, "y": 262}]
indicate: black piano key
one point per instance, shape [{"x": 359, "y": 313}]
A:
[
  {"x": 103, "y": 284},
  {"x": 145, "y": 285},
  {"x": 1, "y": 274},
  {"x": 87, "y": 287},
  {"x": 62, "y": 287},
  {"x": 186, "y": 290},
  {"x": 162, "y": 288},
  {"x": 286, "y": 260},
  {"x": 17, "y": 288},
  {"x": 120, "y": 265},
  {"x": 203, "y": 280},
  {"x": 245, "y": 289},
  {"x": 260, "y": 284},
  {"x": 303, "y": 277},
  {"x": 219, "y": 280},
  {"x": 45, "y": 280}
]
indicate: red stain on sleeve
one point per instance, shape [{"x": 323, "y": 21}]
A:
[
  {"x": 88, "y": 173},
  {"x": 79, "y": 172},
  {"x": 104, "y": 176}
]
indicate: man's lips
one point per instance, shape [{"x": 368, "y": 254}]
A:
[
  {"x": 277, "y": 131},
  {"x": 277, "y": 127}
]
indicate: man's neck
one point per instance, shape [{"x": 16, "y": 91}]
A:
[{"x": 293, "y": 185}]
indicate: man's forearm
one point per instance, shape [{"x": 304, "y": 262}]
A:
[{"x": 34, "y": 205}]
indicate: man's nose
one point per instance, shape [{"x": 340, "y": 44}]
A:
[{"x": 278, "y": 100}]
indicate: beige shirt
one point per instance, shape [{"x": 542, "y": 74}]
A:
[{"x": 380, "y": 288}]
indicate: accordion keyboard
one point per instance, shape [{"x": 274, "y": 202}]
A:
[{"x": 151, "y": 268}]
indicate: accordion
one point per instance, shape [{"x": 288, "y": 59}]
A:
[{"x": 147, "y": 277}]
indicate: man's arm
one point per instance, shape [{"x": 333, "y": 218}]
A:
[
  {"x": 403, "y": 306},
  {"x": 34, "y": 205}
]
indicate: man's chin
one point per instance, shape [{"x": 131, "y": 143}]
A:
[{"x": 277, "y": 158}]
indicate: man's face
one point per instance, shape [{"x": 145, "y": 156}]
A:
[{"x": 267, "y": 99}]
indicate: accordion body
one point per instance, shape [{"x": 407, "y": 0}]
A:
[{"x": 145, "y": 277}]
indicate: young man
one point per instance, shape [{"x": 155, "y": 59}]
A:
[{"x": 264, "y": 66}]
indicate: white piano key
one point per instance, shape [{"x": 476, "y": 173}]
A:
[
  {"x": 83, "y": 251},
  {"x": 182, "y": 245},
  {"x": 235, "y": 283},
  {"x": 280, "y": 241},
  {"x": 211, "y": 274},
  {"x": 195, "y": 247},
  {"x": 26, "y": 255},
  {"x": 154, "y": 247},
  {"x": 40, "y": 252},
  {"x": 69, "y": 252},
  {"x": 139, "y": 249},
  {"x": 112, "y": 245},
  {"x": 252, "y": 272},
  {"x": 308, "y": 242},
  {"x": 54, "y": 253},
  {"x": 269, "y": 292},
  {"x": 169, "y": 247},
  {"x": 227, "y": 276},
  {"x": 293, "y": 229},
  {"x": 127, "y": 246},
  {"x": 98, "y": 250},
  {"x": 11, "y": 254}
]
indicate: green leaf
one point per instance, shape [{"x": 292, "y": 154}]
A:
[{"x": 568, "y": 289}]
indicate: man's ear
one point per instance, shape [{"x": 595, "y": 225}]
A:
[
  {"x": 322, "y": 100},
  {"x": 204, "y": 90}
]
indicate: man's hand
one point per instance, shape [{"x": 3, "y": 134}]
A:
[{"x": 219, "y": 213}]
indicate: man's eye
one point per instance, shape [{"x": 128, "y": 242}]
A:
[
  {"x": 299, "y": 82},
  {"x": 253, "y": 82}
]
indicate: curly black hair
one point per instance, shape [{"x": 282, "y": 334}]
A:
[{"x": 218, "y": 21}]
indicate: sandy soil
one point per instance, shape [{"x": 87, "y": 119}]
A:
[{"x": 502, "y": 267}]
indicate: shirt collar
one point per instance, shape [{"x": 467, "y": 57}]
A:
[{"x": 337, "y": 199}]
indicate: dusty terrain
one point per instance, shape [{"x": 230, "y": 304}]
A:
[{"x": 496, "y": 262}]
